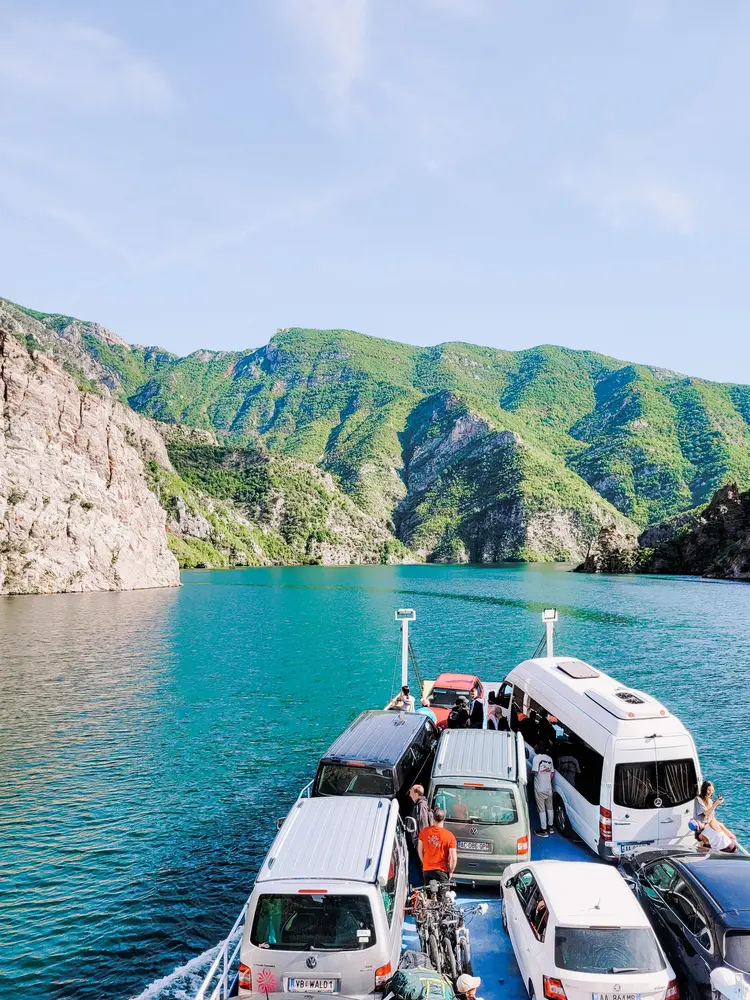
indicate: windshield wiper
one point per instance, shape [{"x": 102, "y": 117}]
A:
[{"x": 616, "y": 972}]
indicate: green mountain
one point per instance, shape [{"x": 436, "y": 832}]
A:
[{"x": 469, "y": 452}]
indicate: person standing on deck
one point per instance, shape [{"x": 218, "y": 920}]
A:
[
  {"x": 467, "y": 986},
  {"x": 543, "y": 769},
  {"x": 438, "y": 850}
]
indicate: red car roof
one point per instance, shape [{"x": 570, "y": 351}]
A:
[{"x": 456, "y": 680}]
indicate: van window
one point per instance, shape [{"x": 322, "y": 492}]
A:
[
  {"x": 504, "y": 695},
  {"x": 350, "y": 779},
  {"x": 607, "y": 950},
  {"x": 496, "y": 806},
  {"x": 578, "y": 763},
  {"x": 518, "y": 696},
  {"x": 303, "y": 922},
  {"x": 388, "y": 891},
  {"x": 639, "y": 785}
]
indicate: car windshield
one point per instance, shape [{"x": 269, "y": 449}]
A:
[
  {"x": 737, "y": 951},
  {"x": 446, "y": 697},
  {"x": 309, "y": 922},
  {"x": 496, "y": 806},
  {"x": 350, "y": 779},
  {"x": 654, "y": 784},
  {"x": 607, "y": 950}
]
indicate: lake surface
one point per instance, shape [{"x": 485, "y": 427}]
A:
[{"x": 149, "y": 740}]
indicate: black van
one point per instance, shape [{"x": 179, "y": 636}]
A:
[{"x": 380, "y": 753}]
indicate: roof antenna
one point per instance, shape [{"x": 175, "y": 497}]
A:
[{"x": 549, "y": 617}]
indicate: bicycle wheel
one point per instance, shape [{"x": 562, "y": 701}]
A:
[
  {"x": 433, "y": 952},
  {"x": 464, "y": 957},
  {"x": 450, "y": 959}
]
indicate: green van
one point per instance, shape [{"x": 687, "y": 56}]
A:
[{"x": 477, "y": 780}]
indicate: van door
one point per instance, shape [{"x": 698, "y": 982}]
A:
[
  {"x": 677, "y": 781},
  {"x": 635, "y": 813}
]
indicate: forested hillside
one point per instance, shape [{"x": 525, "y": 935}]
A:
[{"x": 470, "y": 452}]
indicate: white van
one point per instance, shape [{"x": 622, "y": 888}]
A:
[
  {"x": 579, "y": 932},
  {"x": 626, "y": 770},
  {"x": 327, "y": 909}
]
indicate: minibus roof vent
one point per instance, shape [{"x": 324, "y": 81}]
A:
[
  {"x": 629, "y": 705},
  {"x": 577, "y": 669}
]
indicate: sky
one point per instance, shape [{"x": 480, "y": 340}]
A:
[{"x": 505, "y": 173}]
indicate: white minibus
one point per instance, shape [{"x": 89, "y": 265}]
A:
[
  {"x": 626, "y": 770},
  {"x": 327, "y": 909}
]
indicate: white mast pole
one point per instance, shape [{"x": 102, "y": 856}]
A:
[
  {"x": 549, "y": 617},
  {"x": 405, "y": 615}
]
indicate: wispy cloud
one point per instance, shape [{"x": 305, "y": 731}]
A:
[
  {"x": 459, "y": 8},
  {"x": 82, "y": 68},
  {"x": 335, "y": 31},
  {"x": 619, "y": 199}
]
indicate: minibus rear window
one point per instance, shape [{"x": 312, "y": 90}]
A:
[
  {"x": 349, "y": 779},
  {"x": 308, "y": 922},
  {"x": 611, "y": 951},
  {"x": 655, "y": 784},
  {"x": 491, "y": 806}
]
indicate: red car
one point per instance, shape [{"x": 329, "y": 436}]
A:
[{"x": 447, "y": 688}]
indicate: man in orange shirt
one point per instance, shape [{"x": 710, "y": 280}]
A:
[{"x": 437, "y": 850}]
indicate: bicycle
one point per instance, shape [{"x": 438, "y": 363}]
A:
[{"x": 442, "y": 928}]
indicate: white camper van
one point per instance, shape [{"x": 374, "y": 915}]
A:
[
  {"x": 626, "y": 770},
  {"x": 327, "y": 909}
]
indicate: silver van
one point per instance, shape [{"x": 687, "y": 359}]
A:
[
  {"x": 327, "y": 909},
  {"x": 477, "y": 781}
]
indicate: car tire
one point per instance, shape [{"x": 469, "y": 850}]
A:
[
  {"x": 504, "y": 917},
  {"x": 532, "y": 994},
  {"x": 562, "y": 822}
]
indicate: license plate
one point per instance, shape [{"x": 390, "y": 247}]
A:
[
  {"x": 313, "y": 985},
  {"x": 615, "y": 996},
  {"x": 633, "y": 845},
  {"x": 475, "y": 845}
]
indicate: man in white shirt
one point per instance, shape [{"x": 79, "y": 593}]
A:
[
  {"x": 715, "y": 835},
  {"x": 543, "y": 769}
]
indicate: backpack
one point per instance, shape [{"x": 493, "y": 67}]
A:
[{"x": 419, "y": 984}]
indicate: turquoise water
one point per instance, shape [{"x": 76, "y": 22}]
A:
[{"x": 149, "y": 740}]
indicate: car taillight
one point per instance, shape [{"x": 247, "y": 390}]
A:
[
  {"x": 522, "y": 845},
  {"x": 246, "y": 977},
  {"x": 382, "y": 974},
  {"x": 553, "y": 989},
  {"x": 605, "y": 823},
  {"x": 673, "y": 990}
]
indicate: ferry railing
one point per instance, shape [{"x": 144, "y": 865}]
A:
[
  {"x": 223, "y": 965},
  {"x": 306, "y": 792}
]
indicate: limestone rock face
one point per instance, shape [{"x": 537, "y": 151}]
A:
[
  {"x": 76, "y": 513},
  {"x": 615, "y": 550}
]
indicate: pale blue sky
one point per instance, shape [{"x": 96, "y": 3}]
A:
[{"x": 507, "y": 173}]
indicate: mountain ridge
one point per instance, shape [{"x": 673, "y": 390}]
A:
[{"x": 612, "y": 440}]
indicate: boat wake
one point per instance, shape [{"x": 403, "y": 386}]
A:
[{"x": 184, "y": 981}]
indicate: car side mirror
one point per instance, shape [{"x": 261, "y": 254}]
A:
[
  {"x": 410, "y": 824},
  {"x": 280, "y": 822}
]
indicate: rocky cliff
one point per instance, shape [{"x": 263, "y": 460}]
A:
[
  {"x": 76, "y": 512},
  {"x": 712, "y": 542}
]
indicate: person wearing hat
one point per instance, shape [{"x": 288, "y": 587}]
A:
[
  {"x": 459, "y": 714},
  {"x": 467, "y": 986}
]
